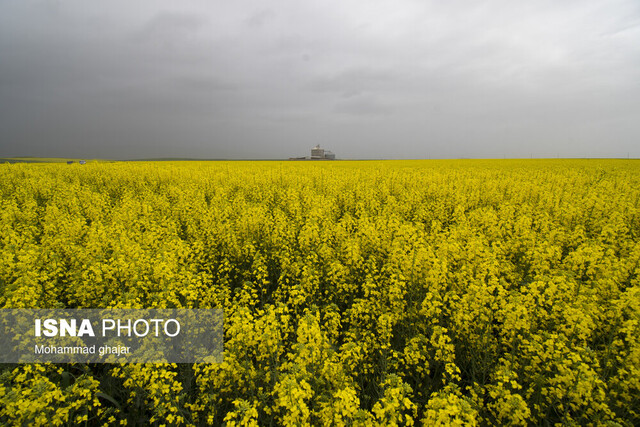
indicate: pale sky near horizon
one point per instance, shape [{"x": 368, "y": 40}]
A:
[{"x": 365, "y": 79}]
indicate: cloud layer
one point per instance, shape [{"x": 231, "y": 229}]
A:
[{"x": 366, "y": 79}]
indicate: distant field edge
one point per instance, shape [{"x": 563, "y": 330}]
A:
[{"x": 27, "y": 159}]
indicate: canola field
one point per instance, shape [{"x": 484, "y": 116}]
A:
[{"x": 461, "y": 292}]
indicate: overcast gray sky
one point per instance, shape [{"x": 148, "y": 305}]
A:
[{"x": 365, "y": 79}]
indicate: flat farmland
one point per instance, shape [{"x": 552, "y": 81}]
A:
[{"x": 469, "y": 292}]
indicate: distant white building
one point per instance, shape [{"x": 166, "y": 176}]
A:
[{"x": 318, "y": 153}]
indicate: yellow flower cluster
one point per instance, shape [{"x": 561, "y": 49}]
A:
[
  {"x": 484, "y": 292},
  {"x": 45, "y": 395}
]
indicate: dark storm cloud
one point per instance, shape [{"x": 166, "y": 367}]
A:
[{"x": 368, "y": 79}]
